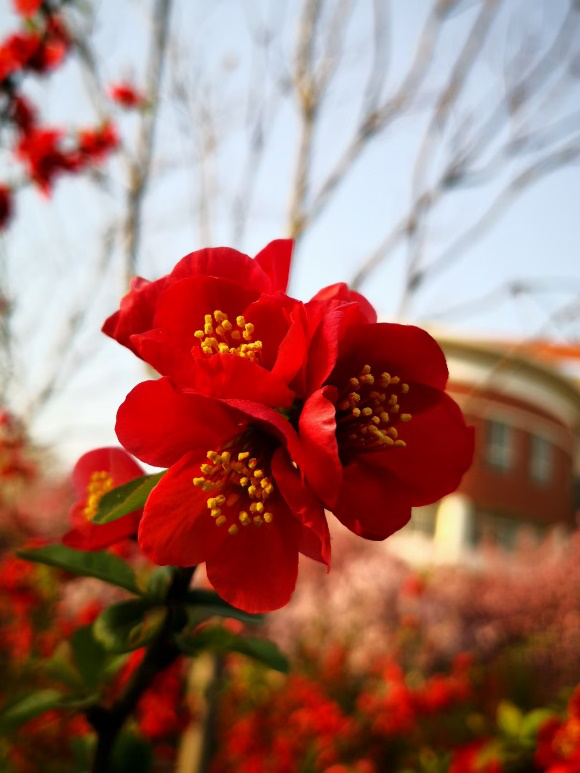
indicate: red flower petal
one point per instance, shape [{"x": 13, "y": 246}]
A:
[
  {"x": 92, "y": 536},
  {"x": 230, "y": 376},
  {"x": 317, "y": 430},
  {"x": 341, "y": 291},
  {"x": 402, "y": 350},
  {"x": 370, "y": 502},
  {"x": 256, "y": 569},
  {"x": 226, "y": 263},
  {"x": 438, "y": 452},
  {"x": 275, "y": 260},
  {"x": 159, "y": 425},
  {"x": 115, "y": 461},
  {"x": 315, "y": 537},
  {"x": 176, "y": 527}
]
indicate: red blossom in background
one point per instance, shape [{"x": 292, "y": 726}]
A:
[
  {"x": 95, "y": 473},
  {"x": 559, "y": 741},
  {"x": 126, "y": 95},
  {"x": 94, "y": 145},
  {"x": 26, "y": 8},
  {"x": 44, "y": 157}
]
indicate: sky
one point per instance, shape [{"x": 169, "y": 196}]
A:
[{"x": 51, "y": 250}]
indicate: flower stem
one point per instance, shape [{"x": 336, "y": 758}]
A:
[{"x": 160, "y": 654}]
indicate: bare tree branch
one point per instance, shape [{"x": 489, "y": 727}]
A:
[{"x": 141, "y": 167}]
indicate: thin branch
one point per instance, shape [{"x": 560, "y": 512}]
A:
[{"x": 141, "y": 167}]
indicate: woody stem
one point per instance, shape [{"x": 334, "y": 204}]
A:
[{"x": 161, "y": 653}]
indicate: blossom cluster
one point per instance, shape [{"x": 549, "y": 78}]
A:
[
  {"x": 269, "y": 412},
  {"x": 46, "y": 152}
]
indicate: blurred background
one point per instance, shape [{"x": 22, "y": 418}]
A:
[{"x": 426, "y": 153}]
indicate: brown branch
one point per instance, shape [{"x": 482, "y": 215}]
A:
[
  {"x": 141, "y": 167},
  {"x": 529, "y": 176}
]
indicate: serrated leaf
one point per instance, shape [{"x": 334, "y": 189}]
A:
[
  {"x": 128, "y": 626},
  {"x": 30, "y": 706},
  {"x": 89, "y": 656},
  {"x": 208, "y": 604},
  {"x": 127, "y": 498},
  {"x": 509, "y": 718},
  {"x": 218, "y": 639},
  {"x": 86, "y": 563}
]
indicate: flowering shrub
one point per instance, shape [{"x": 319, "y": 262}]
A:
[{"x": 269, "y": 414}]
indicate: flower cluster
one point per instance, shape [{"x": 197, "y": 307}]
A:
[
  {"x": 559, "y": 741},
  {"x": 45, "y": 152},
  {"x": 269, "y": 411}
]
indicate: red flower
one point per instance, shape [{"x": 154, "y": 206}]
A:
[
  {"x": 27, "y": 8},
  {"x": 266, "y": 273},
  {"x": 231, "y": 497},
  {"x": 381, "y": 436},
  {"x": 6, "y": 206},
  {"x": 476, "y": 757},
  {"x": 44, "y": 157},
  {"x": 95, "y": 473},
  {"x": 126, "y": 95},
  {"x": 558, "y": 748},
  {"x": 35, "y": 51},
  {"x": 95, "y": 144},
  {"x": 23, "y": 114}
]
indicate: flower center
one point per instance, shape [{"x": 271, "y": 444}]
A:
[
  {"x": 220, "y": 336},
  {"x": 99, "y": 483},
  {"x": 238, "y": 484},
  {"x": 367, "y": 409}
]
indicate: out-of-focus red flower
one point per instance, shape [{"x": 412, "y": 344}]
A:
[
  {"x": 381, "y": 435},
  {"x": 23, "y": 114},
  {"x": 232, "y": 497},
  {"x": 38, "y": 51},
  {"x": 126, "y": 95},
  {"x": 558, "y": 749},
  {"x": 476, "y": 757},
  {"x": 42, "y": 153},
  {"x": 6, "y": 206},
  {"x": 266, "y": 273},
  {"x": 26, "y": 8},
  {"x": 94, "y": 145},
  {"x": 95, "y": 473}
]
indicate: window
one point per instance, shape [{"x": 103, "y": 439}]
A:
[
  {"x": 499, "y": 445},
  {"x": 541, "y": 459}
]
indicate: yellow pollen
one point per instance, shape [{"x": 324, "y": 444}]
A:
[
  {"x": 219, "y": 316},
  {"x": 244, "y": 481},
  {"x": 227, "y": 325},
  {"x": 221, "y": 520},
  {"x": 243, "y": 455},
  {"x": 268, "y": 517},
  {"x": 252, "y": 464},
  {"x": 218, "y": 324},
  {"x": 99, "y": 483},
  {"x": 244, "y": 518},
  {"x": 233, "y": 529},
  {"x": 240, "y": 321},
  {"x": 258, "y": 520},
  {"x": 213, "y": 455},
  {"x": 200, "y": 482},
  {"x": 207, "y": 469},
  {"x": 258, "y": 474},
  {"x": 367, "y": 426},
  {"x": 252, "y": 490},
  {"x": 216, "y": 511},
  {"x": 199, "y": 334}
]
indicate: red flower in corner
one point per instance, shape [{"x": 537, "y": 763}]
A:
[
  {"x": 95, "y": 473},
  {"x": 477, "y": 757},
  {"x": 558, "y": 749},
  {"x": 381, "y": 436},
  {"x": 232, "y": 497}
]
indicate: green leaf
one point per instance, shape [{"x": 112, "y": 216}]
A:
[
  {"x": 58, "y": 670},
  {"x": 509, "y": 719},
  {"x": 206, "y": 603},
  {"x": 128, "y": 626},
  {"x": 86, "y": 563},
  {"x": 532, "y": 722},
  {"x": 30, "y": 706},
  {"x": 218, "y": 639},
  {"x": 89, "y": 656},
  {"x": 131, "y": 752},
  {"x": 158, "y": 584},
  {"x": 127, "y": 498}
]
